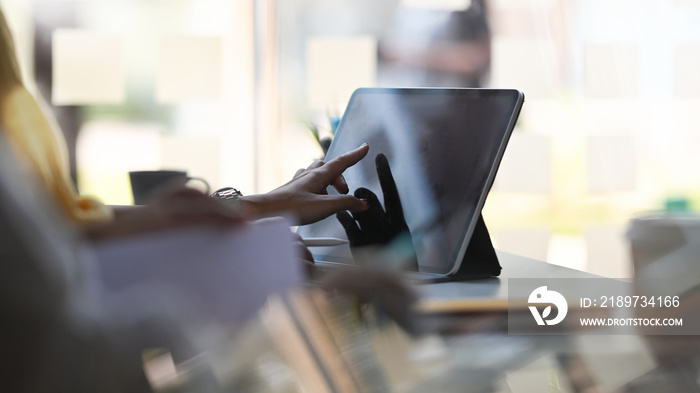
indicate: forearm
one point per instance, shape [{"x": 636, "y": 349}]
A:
[
  {"x": 262, "y": 205},
  {"x": 122, "y": 225}
]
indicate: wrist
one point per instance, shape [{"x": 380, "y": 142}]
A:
[
  {"x": 230, "y": 196},
  {"x": 256, "y": 205}
]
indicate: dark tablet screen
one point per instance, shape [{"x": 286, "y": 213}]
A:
[{"x": 443, "y": 147}]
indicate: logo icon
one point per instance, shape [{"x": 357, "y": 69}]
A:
[{"x": 542, "y": 296}]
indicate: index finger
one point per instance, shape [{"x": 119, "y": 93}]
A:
[{"x": 338, "y": 165}]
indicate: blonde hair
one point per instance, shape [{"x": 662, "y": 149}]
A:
[{"x": 35, "y": 134}]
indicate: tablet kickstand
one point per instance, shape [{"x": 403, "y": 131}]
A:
[{"x": 480, "y": 260}]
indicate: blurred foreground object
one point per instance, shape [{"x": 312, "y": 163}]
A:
[
  {"x": 666, "y": 255},
  {"x": 668, "y": 245},
  {"x": 313, "y": 342},
  {"x": 55, "y": 335},
  {"x": 227, "y": 273}
]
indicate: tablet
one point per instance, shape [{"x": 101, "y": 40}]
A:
[{"x": 443, "y": 147}]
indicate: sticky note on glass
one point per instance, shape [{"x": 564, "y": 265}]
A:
[
  {"x": 686, "y": 78},
  {"x": 88, "y": 68},
  {"x": 610, "y": 70},
  {"x": 526, "y": 165},
  {"x": 189, "y": 68},
  {"x": 612, "y": 164},
  {"x": 337, "y": 66},
  {"x": 528, "y": 64},
  {"x": 445, "y": 5}
]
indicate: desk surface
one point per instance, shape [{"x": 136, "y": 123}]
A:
[
  {"x": 485, "y": 358},
  {"x": 490, "y": 294},
  {"x": 320, "y": 342}
]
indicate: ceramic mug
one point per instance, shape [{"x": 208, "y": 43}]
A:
[{"x": 146, "y": 184}]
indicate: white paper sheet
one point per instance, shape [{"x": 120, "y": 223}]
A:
[{"x": 227, "y": 274}]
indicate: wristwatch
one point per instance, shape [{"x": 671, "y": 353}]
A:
[{"x": 230, "y": 195}]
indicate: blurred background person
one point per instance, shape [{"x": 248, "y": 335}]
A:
[{"x": 437, "y": 48}]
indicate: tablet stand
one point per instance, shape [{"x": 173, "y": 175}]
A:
[{"x": 480, "y": 260}]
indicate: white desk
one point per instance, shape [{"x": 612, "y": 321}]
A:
[
  {"x": 490, "y": 294},
  {"x": 484, "y": 356}
]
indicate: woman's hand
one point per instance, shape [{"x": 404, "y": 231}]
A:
[
  {"x": 182, "y": 207},
  {"x": 306, "y": 196}
]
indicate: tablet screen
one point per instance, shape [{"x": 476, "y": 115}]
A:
[{"x": 443, "y": 148}]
